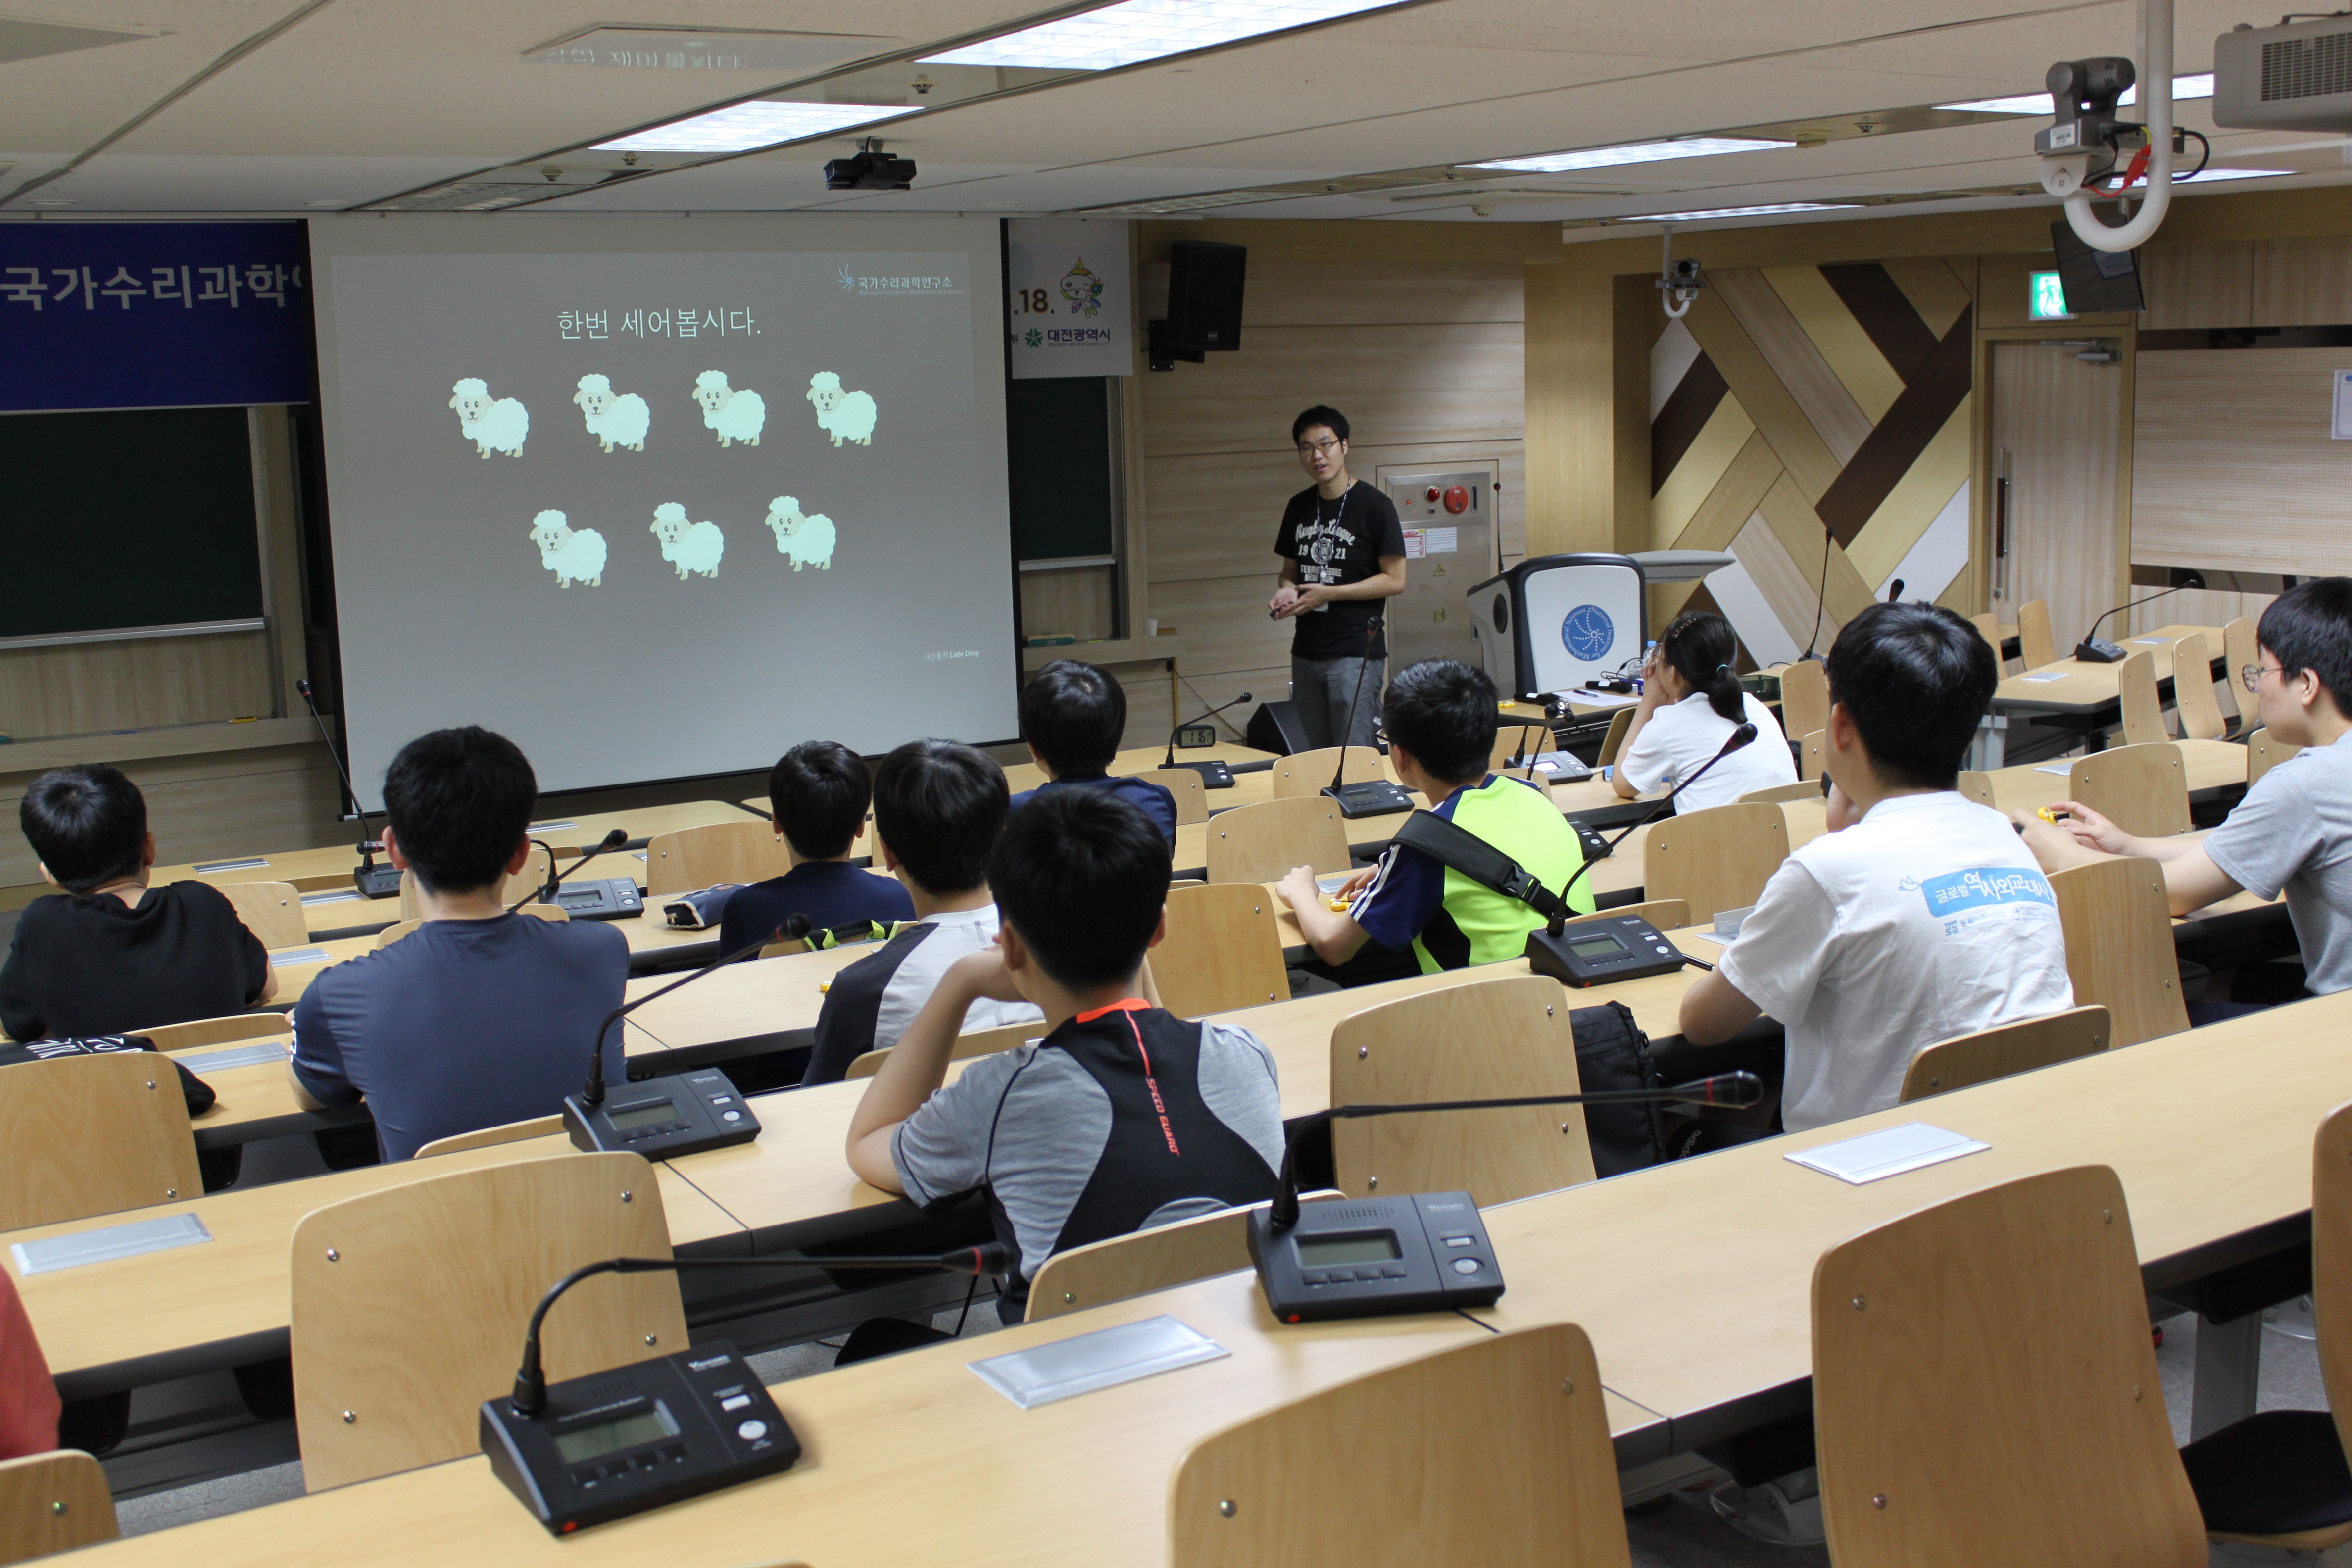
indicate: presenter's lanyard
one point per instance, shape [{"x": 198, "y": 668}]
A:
[{"x": 1332, "y": 529}]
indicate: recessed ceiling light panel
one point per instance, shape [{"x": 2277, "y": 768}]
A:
[
  {"x": 1636, "y": 153},
  {"x": 744, "y": 126},
  {"x": 1741, "y": 212},
  {"x": 1137, "y": 30},
  {"x": 2211, "y": 174},
  {"x": 664, "y": 48},
  {"x": 2030, "y": 103}
]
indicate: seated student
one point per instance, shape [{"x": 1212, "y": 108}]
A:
[
  {"x": 1073, "y": 715},
  {"x": 817, "y": 795},
  {"x": 112, "y": 956},
  {"x": 1123, "y": 1116},
  {"x": 1691, "y": 702},
  {"x": 2292, "y": 831},
  {"x": 1440, "y": 717},
  {"x": 476, "y": 1017},
  {"x": 1924, "y": 917},
  {"x": 938, "y": 808}
]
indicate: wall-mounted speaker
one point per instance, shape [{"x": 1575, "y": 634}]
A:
[{"x": 1204, "y": 303}]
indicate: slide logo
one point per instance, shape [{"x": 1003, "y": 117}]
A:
[
  {"x": 848, "y": 279},
  {"x": 896, "y": 285}
]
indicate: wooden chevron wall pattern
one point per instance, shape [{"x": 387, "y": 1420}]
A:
[{"x": 1804, "y": 417}]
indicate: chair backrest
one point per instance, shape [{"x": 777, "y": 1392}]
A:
[
  {"x": 2192, "y": 689},
  {"x": 1141, "y": 1261},
  {"x": 1224, "y": 951},
  {"x": 1715, "y": 859},
  {"x": 2143, "y": 713},
  {"x": 691, "y": 857},
  {"x": 395, "y": 931},
  {"x": 272, "y": 911},
  {"x": 216, "y": 1031},
  {"x": 1809, "y": 752},
  {"x": 1614, "y": 741},
  {"x": 2142, "y": 789},
  {"x": 1192, "y": 796},
  {"x": 978, "y": 1043},
  {"x": 2005, "y": 1049},
  {"x": 92, "y": 1135},
  {"x": 534, "y": 876},
  {"x": 1804, "y": 698},
  {"x": 1988, "y": 627},
  {"x": 1515, "y": 743},
  {"x": 1261, "y": 843},
  {"x": 2035, "y": 646},
  {"x": 2263, "y": 753},
  {"x": 1489, "y": 1039},
  {"x": 1310, "y": 773},
  {"x": 2331, "y": 1255},
  {"x": 2119, "y": 953},
  {"x": 1982, "y": 1375},
  {"x": 1666, "y": 914},
  {"x": 1495, "y": 1450},
  {"x": 488, "y": 1137},
  {"x": 409, "y": 1304},
  {"x": 2239, "y": 649},
  {"x": 53, "y": 1502},
  {"x": 1977, "y": 787},
  {"x": 1804, "y": 789}
]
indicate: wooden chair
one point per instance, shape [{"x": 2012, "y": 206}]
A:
[
  {"x": 2119, "y": 953},
  {"x": 2240, "y": 648},
  {"x": 91, "y": 1135},
  {"x": 1614, "y": 741},
  {"x": 1983, "y": 1378},
  {"x": 1715, "y": 859},
  {"x": 272, "y": 911},
  {"x": 2005, "y": 1049},
  {"x": 1260, "y": 843},
  {"x": 2035, "y": 646},
  {"x": 2142, "y": 789},
  {"x": 1191, "y": 795},
  {"x": 691, "y": 857},
  {"x": 2192, "y": 690},
  {"x": 1989, "y": 627},
  {"x": 1804, "y": 789},
  {"x": 1310, "y": 773},
  {"x": 1810, "y": 752},
  {"x": 1224, "y": 951},
  {"x": 490, "y": 1137},
  {"x": 53, "y": 1502},
  {"x": 1977, "y": 787},
  {"x": 2143, "y": 714},
  {"x": 534, "y": 876},
  {"x": 2263, "y": 753},
  {"x": 1494, "y": 1450},
  {"x": 1805, "y": 698},
  {"x": 199, "y": 1032},
  {"x": 1666, "y": 914},
  {"x": 978, "y": 1043},
  {"x": 409, "y": 1304},
  {"x": 1486, "y": 1040},
  {"x": 1141, "y": 1262},
  {"x": 1515, "y": 743}
]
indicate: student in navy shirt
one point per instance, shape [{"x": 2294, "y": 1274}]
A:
[
  {"x": 817, "y": 796},
  {"x": 1073, "y": 715},
  {"x": 478, "y": 1017}
]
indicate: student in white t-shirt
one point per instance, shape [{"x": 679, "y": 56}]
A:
[
  {"x": 1924, "y": 919},
  {"x": 1691, "y": 702}
]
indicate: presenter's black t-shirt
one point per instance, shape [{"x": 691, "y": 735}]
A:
[
  {"x": 1337, "y": 542},
  {"x": 85, "y": 965}
]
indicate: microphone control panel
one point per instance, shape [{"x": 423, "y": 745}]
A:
[
  {"x": 1376, "y": 1257},
  {"x": 602, "y": 899},
  {"x": 1595, "y": 951},
  {"x": 663, "y": 1118},
  {"x": 1214, "y": 773}
]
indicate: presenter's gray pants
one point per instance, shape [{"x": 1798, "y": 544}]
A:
[{"x": 1323, "y": 690}]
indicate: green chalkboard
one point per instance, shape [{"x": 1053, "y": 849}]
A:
[
  {"x": 1059, "y": 460},
  {"x": 126, "y": 518}
]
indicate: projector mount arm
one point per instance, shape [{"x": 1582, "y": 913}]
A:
[{"x": 2086, "y": 132}]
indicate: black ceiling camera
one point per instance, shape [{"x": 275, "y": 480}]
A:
[
  {"x": 870, "y": 169},
  {"x": 2084, "y": 94}
]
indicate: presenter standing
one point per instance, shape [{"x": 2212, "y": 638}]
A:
[{"x": 1343, "y": 552}]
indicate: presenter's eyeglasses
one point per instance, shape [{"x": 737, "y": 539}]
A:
[
  {"x": 1326, "y": 446},
  {"x": 2251, "y": 674}
]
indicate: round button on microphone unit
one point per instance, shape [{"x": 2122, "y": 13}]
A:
[
  {"x": 751, "y": 1431},
  {"x": 1465, "y": 1266}
]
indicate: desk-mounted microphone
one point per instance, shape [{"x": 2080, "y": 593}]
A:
[
  {"x": 545, "y": 892},
  {"x": 1371, "y": 797},
  {"x": 2093, "y": 649},
  {"x": 1744, "y": 735},
  {"x": 1214, "y": 774},
  {"x": 374, "y": 882}
]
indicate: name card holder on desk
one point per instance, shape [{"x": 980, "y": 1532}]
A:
[
  {"x": 1104, "y": 1359},
  {"x": 1874, "y": 1156},
  {"x": 236, "y": 1057},
  {"x": 108, "y": 1243}
]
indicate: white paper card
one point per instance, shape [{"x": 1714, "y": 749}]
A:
[
  {"x": 343, "y": 896},
  {"x": 2064, "y": 770},
  {"x": 2053, "y": 675},
  {"x": 1104, "y": 1359},
  {"x": 229, "y": 864},
  {"x": 233, "y": 1057},
  {"x": 1877, "y": 1156},
  {"x": 108, "y": 1243},
  {"x": 298, "y": 955},
  {"x": 1602, "y": 699},
  {"x": 2152, "y": 642}
]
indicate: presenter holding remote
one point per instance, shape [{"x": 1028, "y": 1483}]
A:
[{"x": 1343, "y": 552}]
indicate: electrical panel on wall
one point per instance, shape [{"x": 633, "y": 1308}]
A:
[{"x": 1453, "y": 538}]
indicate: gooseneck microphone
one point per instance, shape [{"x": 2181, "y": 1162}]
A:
[
  {"x": 2093, "y": 650},
  {"x": 1740, "y": 737},
  {"x": 1371, "y": 631},
  {"x": 592, "y": 1094},
  {"x": 1736, "y": 1090},
  {"x": 373, "y": 880},
  {"x": 1169, "y": 761},
  {"x": 546, "y": 890},
  {"x": 529, "y": 1397}
]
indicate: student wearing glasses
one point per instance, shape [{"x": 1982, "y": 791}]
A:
[
  {"x": 2293, "y": 832},
  {"x": 1342, "y": 553}
]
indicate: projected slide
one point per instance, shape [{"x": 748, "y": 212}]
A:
[{"x": 557, "y": 453}]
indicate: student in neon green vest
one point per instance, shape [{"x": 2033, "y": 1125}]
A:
[{"x": 1440, "y": 717}]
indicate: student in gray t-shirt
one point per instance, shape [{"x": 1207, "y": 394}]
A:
[{"x": 2292, "y": 833}]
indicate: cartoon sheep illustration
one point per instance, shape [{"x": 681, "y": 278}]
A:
[
  {"x": 738, "y": 414},
  {"x": 843, "y": 415},
  {"x": 498, "y": 427},
  {"x": 617, "y": 420},
  {"x": 572, "y": 554},
  {"x": 808, "y": 540},
  {"x": 688, "y": 546}
]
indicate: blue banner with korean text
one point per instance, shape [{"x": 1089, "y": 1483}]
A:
[{"x": 153, "y": 315}]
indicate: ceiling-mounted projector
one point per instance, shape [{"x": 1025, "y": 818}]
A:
[
  {"x": 873, "y": 169},
  {"x": 2296, "y": 78}
]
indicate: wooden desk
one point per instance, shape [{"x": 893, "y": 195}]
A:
[
  {"x": 650, "y": 940},
  {"x": 1143, "y": 759},
  {"x": 2084, "y": 697}
]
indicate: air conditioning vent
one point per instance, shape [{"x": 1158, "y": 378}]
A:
[{"x": 2296, "y": 78}]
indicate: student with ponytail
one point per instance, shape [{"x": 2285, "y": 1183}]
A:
[{"x": 1691, "y": 702}]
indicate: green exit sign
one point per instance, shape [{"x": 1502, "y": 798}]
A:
[{"x": 2048, "y": 300}]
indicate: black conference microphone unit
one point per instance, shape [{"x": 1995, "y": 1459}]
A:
[
  {"x": 2093, "y": 650},
  {"x": 373, "y": 880},
  {"x": 1373, "y": 797},
  {"x": 1425, "y": 1252},
  {"x": 1214, "y": 774},
  {"x": 603, "y": 898},
  {"x": 618, "y": 1442},
  {"x": 662, "y": 1118}
]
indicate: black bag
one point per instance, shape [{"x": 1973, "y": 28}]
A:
[
  {"x": 194, "y": 1089},
  {"x": 1612, "y": 1052}
]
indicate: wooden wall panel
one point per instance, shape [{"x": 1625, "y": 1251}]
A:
[
  {"x": 2303, "y": 283},
  {"x": 1223, "y": 623},
  {"x": 2198, "y": 285},
  {"x": 1571, "y": 400},
  {"x": 84, "y": 688},
  {"x": 1375, "y": 287},
  {"x": 1079, "y": 600},
  {"x": 220, "y": 805},
  {"x": 2232, "y": 465},
  {"x": 1820, "y": 395}
]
